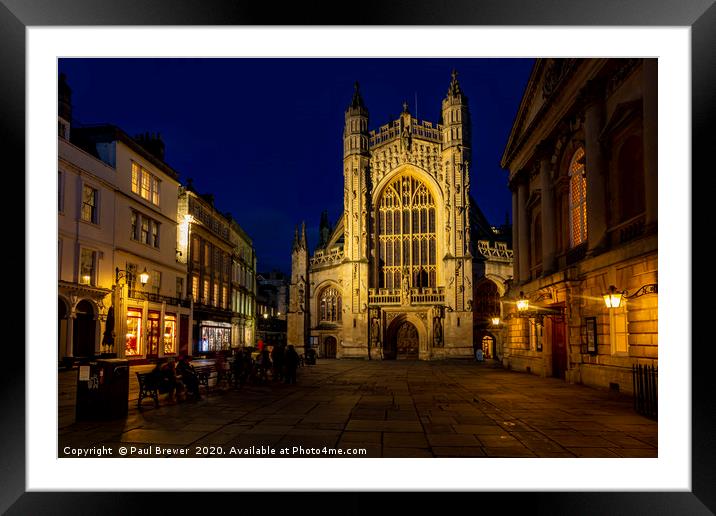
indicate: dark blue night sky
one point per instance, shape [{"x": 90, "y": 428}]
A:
[{"x": 265, "y": 135}]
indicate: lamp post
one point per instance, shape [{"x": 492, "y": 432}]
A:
[{"x": 121, "y": 274}]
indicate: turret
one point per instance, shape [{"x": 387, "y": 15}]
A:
[
  {"x": 355, "y": 131},
  {"x": 455, "y": 116}
]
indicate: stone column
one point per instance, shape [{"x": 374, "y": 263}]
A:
[
  {"x": 549, "y": 226},
  {"x": 523, "y": 229},
  {"x": 69, "y": 347},
  {"x": 515, "y": 238},
  {"x": 593, "y": 96},
  {"x": 651, "y": 166}
]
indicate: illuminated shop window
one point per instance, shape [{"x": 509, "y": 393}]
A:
[
  {"x": 134, "y": 332},
  {"x": 170, "y": 334}
]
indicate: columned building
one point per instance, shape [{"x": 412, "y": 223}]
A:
[
  {"x": 396, "y": 275},
  {"x": 582, "y": 161}
]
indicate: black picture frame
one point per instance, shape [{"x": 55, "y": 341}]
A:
[
  {"x": 590, "y": 324},
  {"x": 17, "y": 15}
]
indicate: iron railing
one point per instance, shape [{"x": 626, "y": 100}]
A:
[{"x": 646, "y": 400}]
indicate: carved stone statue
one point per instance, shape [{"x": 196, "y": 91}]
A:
[
  {"x": 437, "y": 332},
  {"x": 375, "y": 332}
]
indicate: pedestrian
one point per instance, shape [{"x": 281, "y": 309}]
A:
[
  {"x": 479, "y": 355},
  {"x": 291, "y": 363},
  {"x": 277, "y": 359},
  {"x": 264, "y": 363}
]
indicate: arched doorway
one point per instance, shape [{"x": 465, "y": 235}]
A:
[
  {"x": 402, "y": 341},
  {"x": 329, "y": 347},
  {"x": 488, "y": 347},
  {"x": 83, "y": 330}
]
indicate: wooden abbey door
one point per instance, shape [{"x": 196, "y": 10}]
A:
[
  {"x": 329, "y": 347},
  {"x": 559, "y": 346},
  {"x": 407, "y": 341}
]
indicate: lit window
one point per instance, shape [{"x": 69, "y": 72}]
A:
[
  {"x": 89, "y": 204},
  {"x": 136, "y": 174},
  {"x": 145, "y": 184},
  {"x": 155, "y": 191},
  {"x": 87, "y": 267},
  {"x": 406, "y": 234},
  {"x": 330, "y": 305},
  {"x": 195, "y": 287},
  {"x": 577, "y": 199},
  {"x": 618, "y": 330}
]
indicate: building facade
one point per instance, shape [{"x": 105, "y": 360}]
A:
[
  {"x": 151, "y": 320},
  {"x": 582, "y": 161},
  {"x": 221, "y": 274},
  {"x": 243, "y": 287},
  {"x": 117, "y": 220},
  {"x": 395, "y": 277},
  {"x": 85, "y": 217}
]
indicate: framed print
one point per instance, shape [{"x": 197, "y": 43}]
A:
[
  {"x": 591, "y": 329},
  {"x": 36, "y": 36}
]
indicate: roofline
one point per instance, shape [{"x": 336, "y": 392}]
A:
[
  {"x": 110, "y": 132},
  {"x": 522, "y": 111}
]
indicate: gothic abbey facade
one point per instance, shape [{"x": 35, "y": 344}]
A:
[{"x": 411, "y": 269}]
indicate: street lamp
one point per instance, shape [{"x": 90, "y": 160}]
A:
[
  {"x": 143, "y": 277},
  {"x": 613, "y": 298},
  {"x": 495, "y": 321},
  {"x": 523, "y": 303}
]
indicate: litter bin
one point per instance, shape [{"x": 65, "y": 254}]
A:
[
  {"x": 311, "y": 357},
  {"x": 102, "y": 389}
]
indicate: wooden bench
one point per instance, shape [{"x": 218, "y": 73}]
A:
[
  {"x": 206, "y": 372},
  {"x": 147, "y": 389}
]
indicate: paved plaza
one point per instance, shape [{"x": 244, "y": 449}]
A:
[{"x": 387, "y": 409}]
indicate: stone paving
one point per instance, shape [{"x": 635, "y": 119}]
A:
[{"x": 389, "y": 409}]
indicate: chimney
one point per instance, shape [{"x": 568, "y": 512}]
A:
[{"x": 152, "y": 143}]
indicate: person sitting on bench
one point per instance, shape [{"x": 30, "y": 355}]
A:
[
  {"x": 163, "y": 376},
  {"x": 189, "y": 377}
]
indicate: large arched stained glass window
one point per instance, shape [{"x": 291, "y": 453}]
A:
[
  {"x": 406, "y": 234},
  {"x": 330, "y": 300},
  {"x": 577, "y": 199}
]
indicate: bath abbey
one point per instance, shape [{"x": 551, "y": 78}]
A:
[{"x": 411, "y": 269}]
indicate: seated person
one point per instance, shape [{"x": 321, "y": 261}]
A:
[
  {"x": 188, "y": 377},
  {"x": 163, "y": 376}
]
